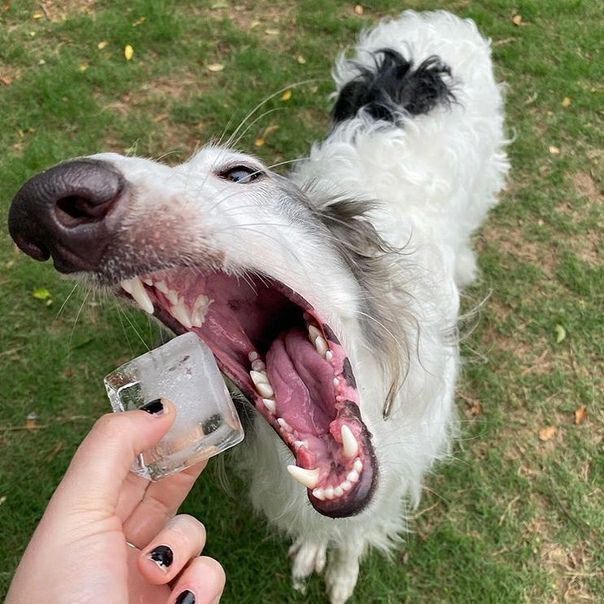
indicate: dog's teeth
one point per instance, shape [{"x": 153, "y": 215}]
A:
[
  {"x": 319, "y": 493},
  {"x": 147, "y": 280},
  {"x": 298, "y": 444},
  {"x": 253, "y": 356},
  {"x": 270, "y": 405},
  {"x": 353, "y": 476},
  {"x": 162, "y": 286},
  {"x": 321, "y": 345},
  {"x": 308, "y": 478},
  {"x": 284, "y": 425},
  {"x": 199, "y": 310},
  {"x": 313, "y": 333},
  {"x": 358, "y": 465},
  {"x": 258, "y": 365},
  {"x": 172, "y": 296},
  {"x": 264, "y": 390},
  {"x": 346, "y": 486},
  {"x": 349, "y": 442},
  {"x": 329, "y": 493},
  {"x": 136, "y": 289},
  {"x": 179, "y": 312},
  {"x": 329, "y": 356},
  {"x": 338, "y": 491},
  {"x": 259, "y": 377}
]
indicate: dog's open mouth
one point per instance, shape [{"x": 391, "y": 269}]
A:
[{"x": 287, "y": 361}]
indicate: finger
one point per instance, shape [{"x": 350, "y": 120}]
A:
[
  {"x": 202, "y": 582},
  {"x": 172, "y": 549},
  {"x": 104, "y": 458},
  {"x": 158, "y": 504}
]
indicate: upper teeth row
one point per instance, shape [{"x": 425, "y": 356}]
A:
[{"x": 189, "y": 318}]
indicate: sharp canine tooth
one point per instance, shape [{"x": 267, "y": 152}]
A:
[
  {"x": 358, "y": 465},
  {"x": 321, "y": 346},
  {"x": 270, "y": 405},
  {"x": 313, "y": 332},
  {"x": 179, "y": 312},
  {"x": 265, "y": 391},
  {"x": 349, "y": 442},
  {"x": 259, "y": 377},
  {"x": 309, "y": 478},
  {"x": 136, "y": 289}
]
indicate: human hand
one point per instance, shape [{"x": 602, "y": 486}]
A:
[{"x": 111, "y": 536}]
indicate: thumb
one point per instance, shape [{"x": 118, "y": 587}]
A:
[{"x": 106, "y": 455}]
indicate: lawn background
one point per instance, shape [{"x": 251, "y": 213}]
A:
[{"x": 517, "y": 515}]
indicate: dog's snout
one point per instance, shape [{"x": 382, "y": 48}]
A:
[{"x": 63, "y": 212}]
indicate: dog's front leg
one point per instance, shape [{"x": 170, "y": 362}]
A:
[
  {"x": 308, "y": 557},
  {"x": 342, "y": 572}
]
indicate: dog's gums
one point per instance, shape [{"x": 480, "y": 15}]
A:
[{"x": 273, "y": 345}]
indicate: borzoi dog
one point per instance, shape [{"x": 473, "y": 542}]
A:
[{"x": 329, "y": 296}]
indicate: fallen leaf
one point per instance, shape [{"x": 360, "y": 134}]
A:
[
  {"x": 566, "y": 102},
  {"x": 6, "y": 80},
  {"x": 517, "y": 19},
  {"x": 259, "y": 142},
  {"x": 102, "y": 44},
  {"x": 215, "y": 67},
  {"x": 475, "y": 409},
  {"x": 547, "y": 433},
  {"x": 31, "y": 422},
  {"x": 580, "y": 415},
  {"x": 139, "y": 22},
  {"x": 254, "y": 24},
  {"x": 38, "y": 15},
  {"x": 554, "y": 150},
  {"x": 128, "y": 52},
  {"x": 301, "y": 59},
  {"x": 83, "y": 66},
  {"x": 286, "y": 95},
  {"x": 560, "y": 333},
  {"x": 358, "y": 9},
  {"x": 271, "y": 32},
  {"x": 41, "y": 293}
]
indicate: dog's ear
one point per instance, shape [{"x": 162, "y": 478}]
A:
[{"x": 379, "y": 269}]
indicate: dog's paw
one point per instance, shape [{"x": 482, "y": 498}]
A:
[
  {"x": 308, "y": 557},
  {"x": 341, "y": 576}
]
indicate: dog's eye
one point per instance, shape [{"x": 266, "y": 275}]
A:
[{"x": 241, "y": 174}]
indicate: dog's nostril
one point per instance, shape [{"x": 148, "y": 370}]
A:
[{"x": 73, "y": 210}]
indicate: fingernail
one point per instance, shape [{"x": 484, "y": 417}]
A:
[
  {"x": 155, "y": 407},
  {"x": 162, "y": 556},
  {"x": 186, "y": 597}
]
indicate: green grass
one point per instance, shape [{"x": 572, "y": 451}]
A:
[{"x": 511, "y": 518}]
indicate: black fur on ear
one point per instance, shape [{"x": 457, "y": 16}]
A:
[{"x": 394, "y": 87}]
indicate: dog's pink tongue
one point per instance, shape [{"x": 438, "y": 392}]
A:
[{"x": 303, "y": 383}]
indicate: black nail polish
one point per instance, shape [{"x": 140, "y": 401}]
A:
[
  {"x": 162, "y": 555},
  {"x": 155, "y": 407},
  {"x": 186, "y": 597}
]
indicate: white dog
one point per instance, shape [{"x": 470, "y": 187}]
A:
[{"x": 330, "y": 297}]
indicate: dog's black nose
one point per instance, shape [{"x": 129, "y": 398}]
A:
[{"x": 63, "y": 213}]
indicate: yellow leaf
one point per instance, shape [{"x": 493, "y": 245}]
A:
[
  {"x": 259, "y": 142},
  {"x": 554, "y": 150},
  {"x": 358, "y": 9},
  {"x": 517, "y": 19},
  {"x": 128, "y": 52},
  {"x": 580, "y": 414},
  {"x": 139, "y": 22},
  {"x": 102, "y": 44},
  {"x": 566, "y": 102},
  {"x": 547, "y": 433},
  {"x": 38, "y": 15},
  {"x": 41, "y": 293},
  {"x": 83, "y": 66},
  {"x": 254, "y": 24},
  {"x": 301, "y": 59},
  {"x": 286, "y": 95},
  {"x": 560, "y": 333},
  {"x": 271, "y": 32},
  {"x": 215, "y": 67}
]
